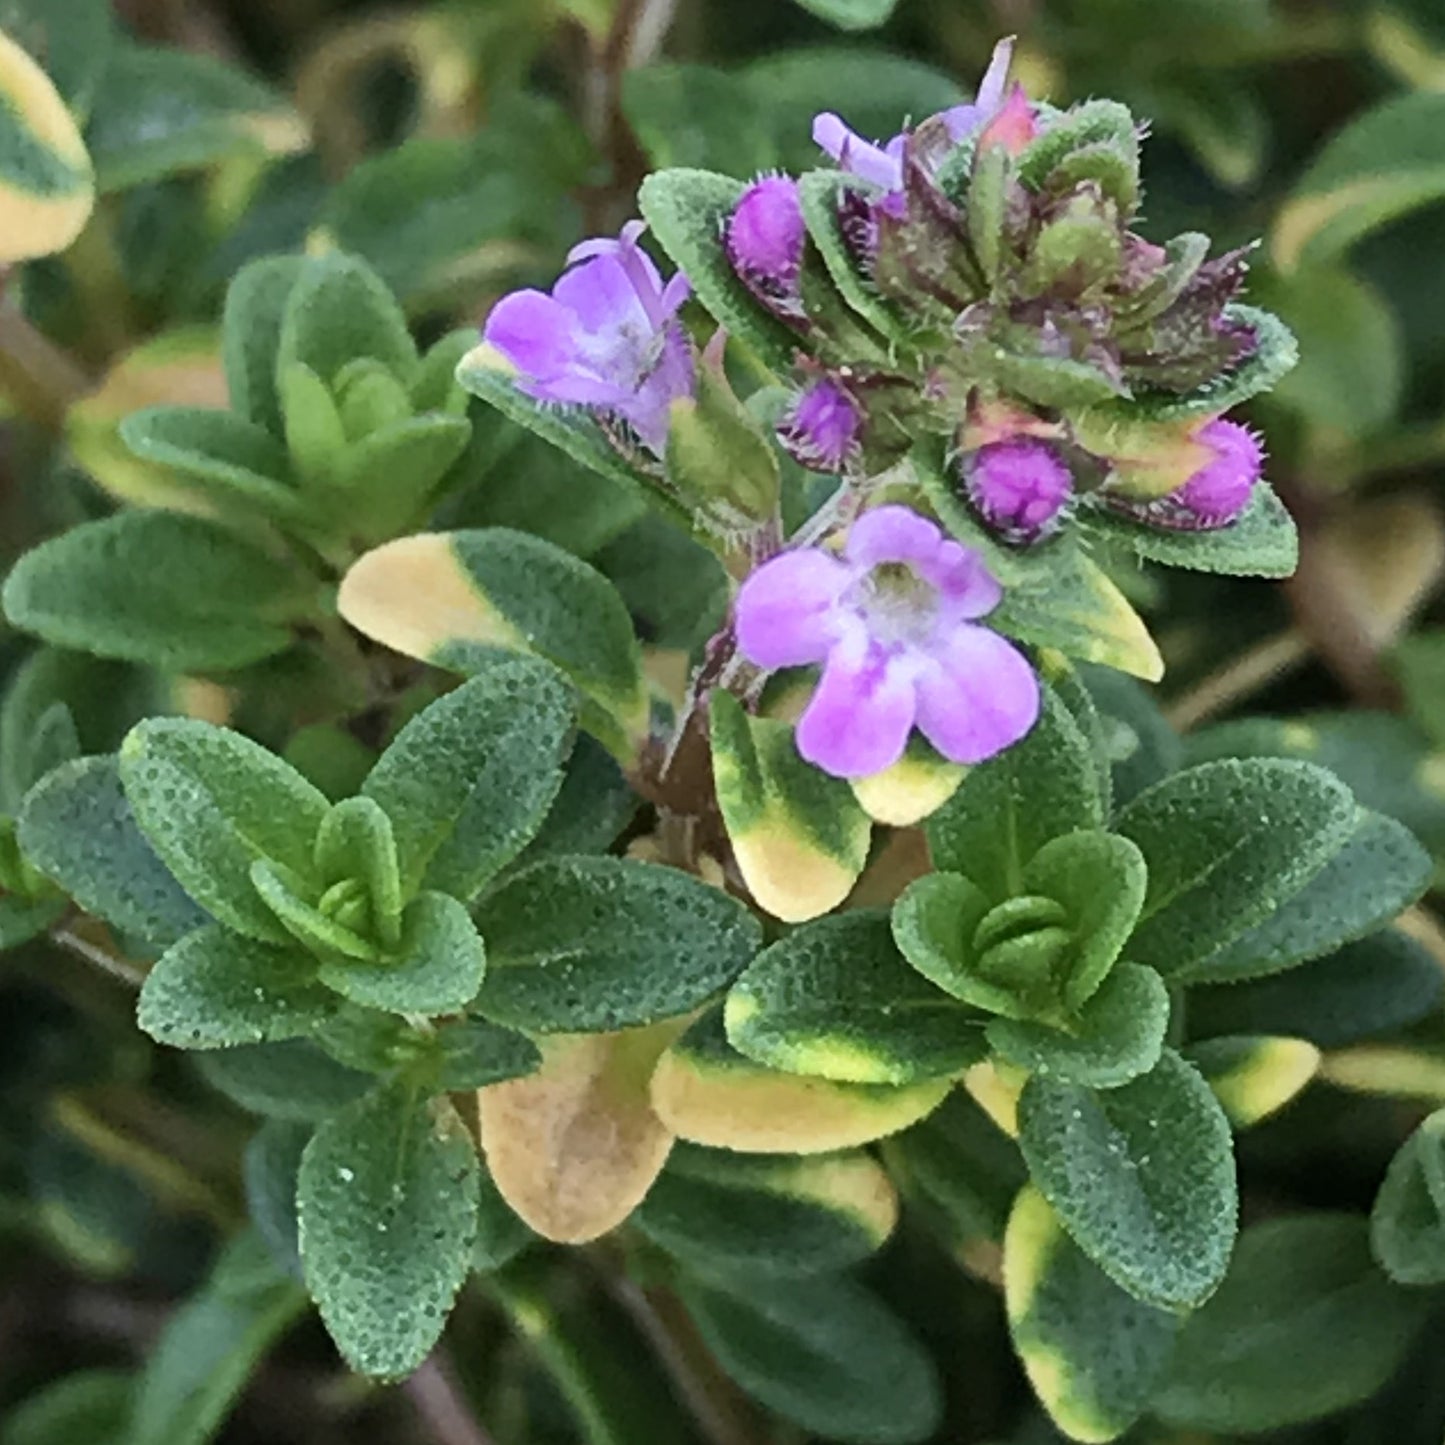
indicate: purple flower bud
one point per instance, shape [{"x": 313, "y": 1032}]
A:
[
  {"x": 1219, "y": 491},
  {"x": 1019, "y": 487},
  {"x": 821, "y": 428},
  {"x": 764, "y": 243},
  {"x": 893, "y": 622}
]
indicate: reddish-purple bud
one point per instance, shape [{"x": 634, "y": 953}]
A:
[
  {"x": 1019, "y": 487},
  {"x": 821, "y": 428},
  {"x": 764, "y": 241},
  {"x": 1219, "y": 491}
]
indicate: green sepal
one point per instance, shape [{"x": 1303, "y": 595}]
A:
[
  {"x": 717, "y": 455},
  {"x": 437, "y": 967},
  {"x": 1084, "y": 126},
  {"x": 836, "y": 999},
  {"x": 798, "y": 835},
  {"x": 212, "y": 802},
  {"x": 215, "y": 989},
  {"x": 1116, "y": 1036}
]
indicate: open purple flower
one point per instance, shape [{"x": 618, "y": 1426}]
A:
[
  {"x": 892, "y": 623},
  {"x": 883, "y": 164},
  {"x": 606, "y": 338}
]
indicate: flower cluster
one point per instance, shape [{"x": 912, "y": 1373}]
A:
[{"x": 996, "y": 302}]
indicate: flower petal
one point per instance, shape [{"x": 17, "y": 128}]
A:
[
  {"x": 856, "y": 155},
  {"x": 966, "y": 588},
  {"x": 533, "y": 331},
  {"x": 784, "y": 614},
  {"x": 892, "y": 534},
  {"x": 978, "y": 697},
  {"x": 860, "y": 716},
  {"x": 601, "y": 292}
]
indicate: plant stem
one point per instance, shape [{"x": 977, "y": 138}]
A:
[
  {"x": 35, "y": 374},
  {"x": 437, "y": 1399}
]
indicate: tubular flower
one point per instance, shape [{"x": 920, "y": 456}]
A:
[
  {"x": 893, "y": 623},
  {"x": 606, "y": 338}
]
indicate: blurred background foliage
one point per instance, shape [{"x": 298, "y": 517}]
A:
[{"x": 462, "y": 148}]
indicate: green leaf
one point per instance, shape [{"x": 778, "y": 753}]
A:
[
  {"x": 799, "y": 837},
  {"x": 220, "y": 454},
  {"x": 836, "y": 999},
  {"x": 215, "y": 989},
  {"x": 472, "y": 1053},
  {"x": 88, "y": 1407},
  {"x": 175, "y": 592},
  {"x": 158, "y": 112},
  {"x": 1093, "y": 1353},
  {"x": 390, "y": 477},
  {"x": 1407, "y": 1224},
  {"x": 851, "y": 14},
  {"x": 501, "y": 1234},
  {"x": 269, "y": 1169},
  {"x": 1225, "y": 844},
  {"x": 1379, "y": 872},
  {"x": 697, "y": 115},
  {"x": 77, "y": 828},
  {"x": 292, "y": 1081},
  {"x": 1118, "y": 1035},
  {"x": 584, "y": 945},
  {"x": 1142, "y": 1177},
  {"x": 824, "y": 1353},
  {"x": 356, "y": 841},
  {"x": 1261, "y": 542},
  {"x": 1383, "y": 164},
  {"x": 212, "y": 1345},
  {"x": 73, "y": 39},
  {"x": 820, "y": 194},
  {"x": 455, "y": 599},
  {"x": 437, "y": 968},
  {"x": 1076, "y": 608},
  {"x": 704, "y": 1090},
  {"x": 1377, "y": 985},
  {"x": 340, "y": 310},
  {"x": 687, "y": 211},
  {"x": 1140, "y": 745},
  {"x": 732, "y": 1213},
  {"x": 592, "y": 808},
  {"x": 1010, "y": 806},
  {"x": 319, "y": 933},
  {"x": 1253, "y": 1075},
  {"x": 1304, "y": 1325},
  {"x": 468, "y": 781},
  {"x": 21, "y": 920},
  {"x": 47, "y": 187},
  {"x": 212, "y": 802},
  {"x": 392, "y": 1180},
  {"x": 486, "y": 374},
  {"x": 250, "y": 334}
]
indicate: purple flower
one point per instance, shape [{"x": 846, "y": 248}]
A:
[
  {"x": 883, "y": 164},
  {"x": 607, "y": 337},
  {"x": 1219, "y": 491},
  {"x": 820, "y": 429},
  {"x": 1019, "y": 487},
  {"x": 764, "y": 243},
  {"x": 892, "y": 623}
]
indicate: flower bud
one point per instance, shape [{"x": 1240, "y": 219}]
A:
[
  {"x": 821, "y": 428},
  {"x": 1019, "y": 487},
  {"x": 1218, "y": 492},
  {"x": 764, "y": 242}
]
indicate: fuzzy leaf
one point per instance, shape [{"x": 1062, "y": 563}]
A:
[
  {"x": 387, "y": 1201},
  {"x": 291, "y": 1081},
  {"x": 467, "y": 782},
  {"x": 251, "y": 332},
  {"x": 1407, "y": 1224},
  {"x": 1142, "y": 1177},
  {"x": 1253, "y": 1075},
  {"x": 583, "y": 945},
  {"x": 338, "y": 311}
]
